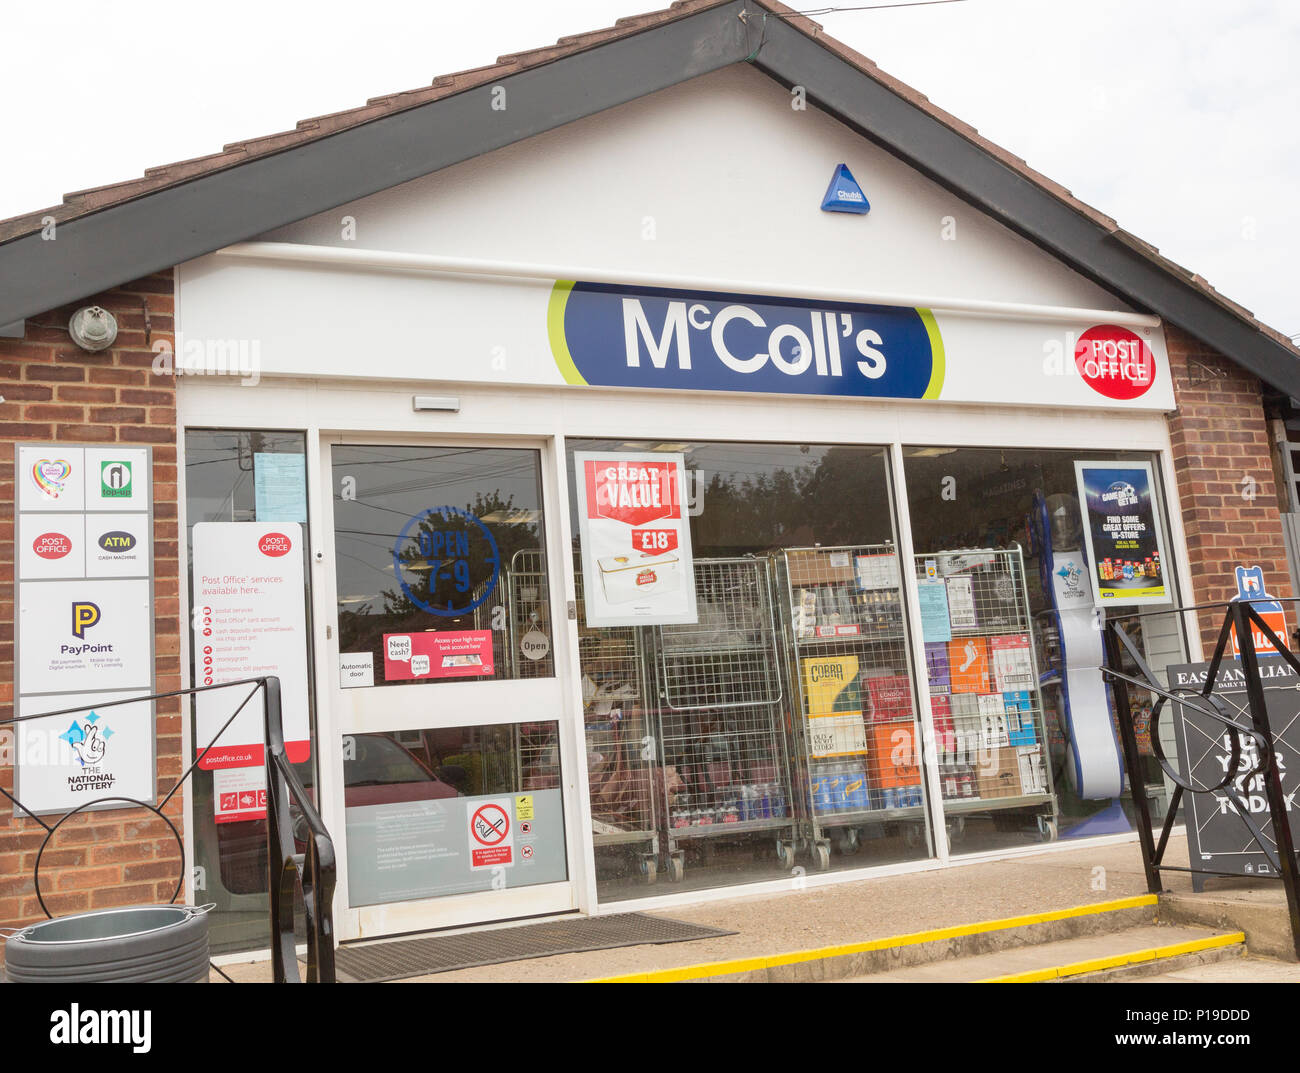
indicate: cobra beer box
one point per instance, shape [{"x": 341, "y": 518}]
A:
[{"x": 629, "y": 577}]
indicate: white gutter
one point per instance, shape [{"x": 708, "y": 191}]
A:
[{"x": 391, "y": 261}]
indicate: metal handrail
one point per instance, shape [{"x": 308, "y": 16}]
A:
[
  {"x": 1239, "y": 617},
  {"x": 313, "y": 872}
]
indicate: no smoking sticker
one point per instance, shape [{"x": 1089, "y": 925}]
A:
[{"x": 491, "y": 833}]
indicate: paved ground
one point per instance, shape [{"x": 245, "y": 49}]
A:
[
  {"x": 853, "y": 912},
  {"x": 1249, "y": 970}
]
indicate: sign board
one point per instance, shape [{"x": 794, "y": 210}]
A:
[
  {"x": 404, "y": 849},
  {"x": 83, "y": 624},
  {"x": 644, "y": 337},
  {"x": 428, "y": 654},
  {"x": 1250, "y": 586},
  {"x": 356, "y": 669},
  {"x": 491, "y": 834},
  {"x": 1127, "y": 562},
  {"x": 239, "y": 794},
  {"x": 637, "y": 568},
  {"x": 1216, "y": 837},
  {"x": 249, "y": 620}
]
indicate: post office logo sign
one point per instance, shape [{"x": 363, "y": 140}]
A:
[
  {"x": 1115, "y": 362},
  {"x": 52, "y": 545},
  {"x": 274, "y": 545}
]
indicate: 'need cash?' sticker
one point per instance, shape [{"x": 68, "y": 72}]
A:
[
  {"x": 615, "y": 336},
  {"x": 636, "y": 539}
]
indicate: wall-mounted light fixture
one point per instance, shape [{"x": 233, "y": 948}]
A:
[{"x": 93, "y": 328}]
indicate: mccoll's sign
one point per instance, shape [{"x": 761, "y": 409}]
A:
[
  {"x": 611, "y": 336},
  {"x": 625, "y": 336}
]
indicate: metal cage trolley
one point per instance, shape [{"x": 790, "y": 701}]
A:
[
  {"x": 985, "y": 690},
  {"x": 720, "y": 717},
  {"x": 855, "y": 725}
]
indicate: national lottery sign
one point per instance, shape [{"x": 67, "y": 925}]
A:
[{"x": 612, "y": 336}]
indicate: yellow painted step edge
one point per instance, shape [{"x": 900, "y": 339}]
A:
[
  {"x": 726, "y": 968},
  {"x": 1116, "y": 961}
]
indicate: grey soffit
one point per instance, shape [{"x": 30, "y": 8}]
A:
[{"x": 153, "y": 231}]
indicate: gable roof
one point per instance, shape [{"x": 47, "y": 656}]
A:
[{"x": 111, "y": 234}]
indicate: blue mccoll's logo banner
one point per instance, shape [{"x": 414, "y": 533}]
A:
[{"x": 613, "y": 336}]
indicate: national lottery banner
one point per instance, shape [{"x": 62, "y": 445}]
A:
[
  {"x": 637, "y": 568},
  {"x": 1127, "y": 563}
]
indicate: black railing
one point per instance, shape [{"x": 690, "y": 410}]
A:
[
  {"x": 289, "y": 872},
  {"x": 1240, "y": 617}
]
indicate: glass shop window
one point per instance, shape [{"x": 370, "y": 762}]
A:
[
  {"x": 242, "y": 477},
  {"x": 1016, "y": 551},
  {"x": 761, "y": 720}
]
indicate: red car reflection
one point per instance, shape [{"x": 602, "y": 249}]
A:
[{"x": 377, "y": 770}]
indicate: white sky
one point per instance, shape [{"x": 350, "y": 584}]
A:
[{"x": 1176, "y": 117}]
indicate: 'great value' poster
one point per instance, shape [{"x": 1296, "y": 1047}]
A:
[
  {"x": 636, "y": 539},
  {"x": 1121, "y": 525}
]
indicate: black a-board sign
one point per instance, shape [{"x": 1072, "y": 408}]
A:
[{"x": 1217, "y": 839}]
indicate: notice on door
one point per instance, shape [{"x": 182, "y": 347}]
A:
[
  {"x": 249, "y": 621},
  {"x": 455, "y": 654},
  {"x": 637, "y": 568},
  {"x": 491, "y": 833}
]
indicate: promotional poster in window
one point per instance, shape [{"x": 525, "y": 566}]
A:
[{"x": 1126, "y": 550}]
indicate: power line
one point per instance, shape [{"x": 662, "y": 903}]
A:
[
  {"x": 865, "y": 7},
  {"x": 762, "y": 37}
]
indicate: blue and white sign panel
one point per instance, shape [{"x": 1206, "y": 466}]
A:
[
  {"x": 613, "y": 336},
  {"x": 624, "y": 334}
]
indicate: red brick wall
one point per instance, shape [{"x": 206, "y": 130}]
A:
[
  {"x": 53, "y": 390},
  {"x": 1220, "y": 438}
]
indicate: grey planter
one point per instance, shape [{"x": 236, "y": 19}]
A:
[{"x": 135, "y": 944}]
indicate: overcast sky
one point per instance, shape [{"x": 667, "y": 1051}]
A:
[{"x": 1176, "y": 117}]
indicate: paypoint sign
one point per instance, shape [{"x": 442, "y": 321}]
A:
[{"x": 612, "y": 336}]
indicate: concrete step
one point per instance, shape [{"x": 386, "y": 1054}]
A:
[
  {"x": 1098, "y": 956},
  {"x": 1240, "y": 970},
  {"x": 1259, "y": 910},
  {"x": 896, "y": 952}
]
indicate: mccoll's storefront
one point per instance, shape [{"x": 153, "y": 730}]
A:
[
  {"x": 651, "y": 545},
  {"x": 627, "y": 529}
]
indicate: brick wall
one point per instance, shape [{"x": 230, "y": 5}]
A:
[
  {"x": 1220, "y": 438},
  {"x": 53, "y": 390}
]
